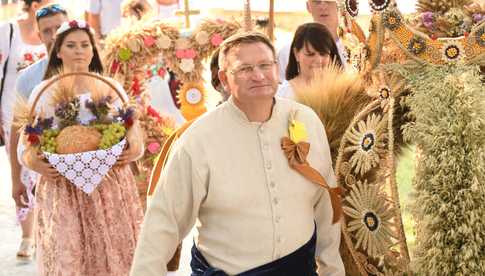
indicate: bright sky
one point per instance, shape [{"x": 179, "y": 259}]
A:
[{"x": 406, "y": 6}]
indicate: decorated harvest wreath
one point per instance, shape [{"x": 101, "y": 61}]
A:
[{"x": 182, "y": 51}]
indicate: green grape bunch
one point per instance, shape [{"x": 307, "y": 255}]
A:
[
  {"x": 48, "y": 140},
  {"x": 112, "y": 134}
]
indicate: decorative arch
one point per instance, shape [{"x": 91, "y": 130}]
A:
[{"x": 184, "y": 51}]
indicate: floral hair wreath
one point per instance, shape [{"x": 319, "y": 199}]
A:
[{"x": 74, "y": 24}]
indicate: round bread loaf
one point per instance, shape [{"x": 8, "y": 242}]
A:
[{"x": 76, "y": 139}]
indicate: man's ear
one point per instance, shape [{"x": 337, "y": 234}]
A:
[
  {"x": 35, "y": 6},
  {"x": 308, "y": 8},
  {"x": 223, "y": 79}
]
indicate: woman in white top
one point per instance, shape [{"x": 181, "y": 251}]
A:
[
  {"x": 312, "y": 48},
  {"x": 79, "y": 233},
  {"x": 20, "y": 46}
]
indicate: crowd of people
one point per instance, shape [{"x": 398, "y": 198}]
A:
[{"x": 228, "y": 171}]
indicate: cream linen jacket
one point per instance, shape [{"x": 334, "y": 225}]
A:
[{"x": 231, "y": 176}]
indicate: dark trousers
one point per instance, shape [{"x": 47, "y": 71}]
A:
[{"x": 299, "y": 263}]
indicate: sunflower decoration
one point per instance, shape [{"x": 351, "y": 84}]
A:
[
  {"x": 352, "y": 7},
  {"x": 384, "y": 87},
  {"x": 367, "y": 143},
  {"x": 370, "y": 218},
  {"x": 192, "y": 100},
  {"x": 379, "y": 5},
  {"x": 417, "y": 45},
  {"x": 391, "y": 20},
  {"x": 452, "y": 51}
]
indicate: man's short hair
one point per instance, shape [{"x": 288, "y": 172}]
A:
[{"x": 242, "y": 38}]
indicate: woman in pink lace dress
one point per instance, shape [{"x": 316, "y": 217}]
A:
[{"x": 79, "y": 233}]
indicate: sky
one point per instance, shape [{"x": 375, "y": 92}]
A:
[{"x": 406, "y": 6}]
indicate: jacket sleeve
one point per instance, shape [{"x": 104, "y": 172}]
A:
[
  {"x": 171, "y": 214},
  {"x": 328, "y": 234}
]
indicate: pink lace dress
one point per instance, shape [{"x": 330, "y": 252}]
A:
[{"x": 87, "y": 234}]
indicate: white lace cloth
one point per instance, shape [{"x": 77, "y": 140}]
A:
[{"x": 86, "y": 170}]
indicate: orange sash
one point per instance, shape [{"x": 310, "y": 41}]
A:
[
  {"x": 162, "y": 158},
  {"x": 296, "y": 155}
]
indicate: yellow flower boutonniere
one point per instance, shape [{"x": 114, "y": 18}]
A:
[{"x": 297, "y": 130}]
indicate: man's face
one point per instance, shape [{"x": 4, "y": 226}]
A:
[
  {"x": 324, "y": 12},
  {"x": 250, "y": 72},
  {"x": 47, "y": 28}
]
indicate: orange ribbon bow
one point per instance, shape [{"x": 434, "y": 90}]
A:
[{"x": 296, "y": 155}]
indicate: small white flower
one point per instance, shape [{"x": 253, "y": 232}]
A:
[
  {"x": 164, "y": 42},
  {"x": 202, "y": 38},
  {"x": 81, "y": 24},
  {"x": 133, "y": 45},
  {"x": 187, "y": 65}
]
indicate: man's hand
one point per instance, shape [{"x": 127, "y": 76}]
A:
[{"x": 34, "y": 160}]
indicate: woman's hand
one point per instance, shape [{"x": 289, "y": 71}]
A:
[
  {"x": 135, "y": 148},
  {"x": 19, "y": 195},
  {"x": 34, "y": 160}
]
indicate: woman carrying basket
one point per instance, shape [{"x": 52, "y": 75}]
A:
[{"x": 82, "y": 229}]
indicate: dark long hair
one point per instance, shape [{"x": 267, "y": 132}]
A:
[
  {"x": 318, "y": 36},
  {"x": 28, "y": 3},
  {"x": 55, "y": 64}
]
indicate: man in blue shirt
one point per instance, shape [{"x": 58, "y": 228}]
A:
[{"x": 49, "y": 19}]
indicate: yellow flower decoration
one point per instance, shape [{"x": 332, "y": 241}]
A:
[
  {"x": 370, "y": 218},
  {"x": 296, "y": 130},
  {"x": 367, "y": 143},
  {"x": 192, "y": 100},
  {"x": 124, "y": 54}
]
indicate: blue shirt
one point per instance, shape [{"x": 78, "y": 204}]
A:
[{"x": 30, "y": 77}]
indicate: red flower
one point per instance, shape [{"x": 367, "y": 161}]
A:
[
  {"x": 135, "y": 87},
  {"x": 129, "y": 122},
  {"x": 149, "y": 41},
  {"x": 434, "y": 37},
  {"x": 28, "y": 57},
  {"x": 73, "y": 24},
  {"x": 153, "y": 112},
  {"x": 466, "y": 34},
  {"x": 115, "y": 66},
  {"x": 33, "y": 139},
  {"x": 161, "y": 72}
]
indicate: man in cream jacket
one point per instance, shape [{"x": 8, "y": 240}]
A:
[{"x": 229, "y": 175}]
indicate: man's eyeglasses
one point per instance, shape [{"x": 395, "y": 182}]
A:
[
  {"x": 247, "y": 70},
  {"x": 49, "y": 10}
]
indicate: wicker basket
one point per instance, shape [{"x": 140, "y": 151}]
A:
[{"x": 78, "y": 157}]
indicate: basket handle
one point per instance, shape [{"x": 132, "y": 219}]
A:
[{"x": 62, "y": 76}]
